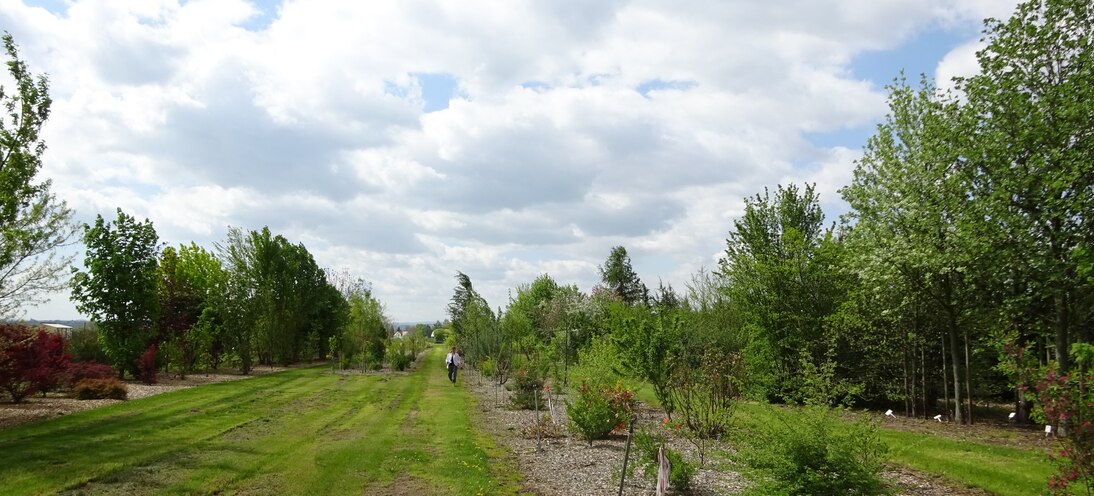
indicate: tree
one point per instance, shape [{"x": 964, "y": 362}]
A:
[
  {"x": 620, "y": 278},
  {"x": 119, "y": 290},
  {"x": 911, "y": 219},
  {"x": 1032, "y": 122},
  {"x": 782, "y": 278},
  {"x": 33, "y": 223}
]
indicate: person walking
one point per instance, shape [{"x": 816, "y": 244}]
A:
[{"x": 453, "y": 361}]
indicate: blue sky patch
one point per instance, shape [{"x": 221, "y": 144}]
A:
[
  {"x": 852, "y": 137},
  {"x": 919, "y": 55},
  {"x": 437, "y": 89},
  {"x": 658, "y": 84},
  {"x": 535, "y": 85},
  {"x": 267, "y": 13}
]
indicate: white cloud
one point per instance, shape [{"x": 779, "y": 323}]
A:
[{"x": 575, "y": 126}]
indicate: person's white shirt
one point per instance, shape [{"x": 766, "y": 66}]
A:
[{"x": 453, "y": 358}]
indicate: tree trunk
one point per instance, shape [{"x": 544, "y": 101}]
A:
[
  {"x": 923, "y": 375},
  {"x": 955, "y": 360},
  {"x": 945, "y": 385},
  {"x": 1062, "y": 356},
  {"x": 968, "y": 375}
]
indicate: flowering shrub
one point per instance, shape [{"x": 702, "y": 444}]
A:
[
  {"x": 78, "y": 371},
  {"x": 1067, "y": 402},
  {"x": 97, "y": 389}
]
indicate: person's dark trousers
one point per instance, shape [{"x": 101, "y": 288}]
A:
[{"x": 452, "y": 372}]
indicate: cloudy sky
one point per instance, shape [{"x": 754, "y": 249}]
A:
[{"x": 408, "y": 140}]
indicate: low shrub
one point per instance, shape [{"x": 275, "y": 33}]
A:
[
  {"x": 98, "y": 389},
  {"x": 527, "y": 389},
  {"x": 544, "y": 428},
  {"x": 592, "y": 416},
  {"x": 681, "y": 471},
  {"x": 812, "y": 451},
  {"x": 78, "y": 371}
]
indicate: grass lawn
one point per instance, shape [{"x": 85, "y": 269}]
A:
[
  {"x": 304, "y": 431},
  {"x": 997, "y": 469}
]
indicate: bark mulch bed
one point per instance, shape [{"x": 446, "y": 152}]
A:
[
  {"x": 36, "y": 407},
  {"x": 568, "y": 465}
]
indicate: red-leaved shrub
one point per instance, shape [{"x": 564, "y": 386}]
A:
[
  {"x": 146, "y": 364},
  {"x": 30, "y": 361},
  {"x": 98, "y": 389},
  {"x": 78, "y": 371}
]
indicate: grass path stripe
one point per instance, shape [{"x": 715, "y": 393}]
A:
[{"x": 304, "y": 431}]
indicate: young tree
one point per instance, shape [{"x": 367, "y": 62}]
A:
[
  {"x": 120, "y": 288},
  {"x": 619, "y": 277},
  {"x": 784, "y": 282},
  {"x": 33, "y": 223}
]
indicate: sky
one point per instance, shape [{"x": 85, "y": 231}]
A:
[{"x": 406, "y": 140}]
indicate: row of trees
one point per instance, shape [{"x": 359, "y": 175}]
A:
[{"x": 969, "y": 237}]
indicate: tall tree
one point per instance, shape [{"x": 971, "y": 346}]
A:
[
  {"x": 119, "y": 290},
  {"x": 1032, "y": 116},
  {"x": 33, "y": 223},
  {"x": 910, "y": 217},
  {"x": 621, "y": 279}
]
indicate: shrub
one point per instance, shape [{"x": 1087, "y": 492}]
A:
[
  {"x": 79, "y": 371},
  {"x": 84, "y": 346},
  {"x": 29, "y": 361},
  {"x": 680, "y": 470},
  {"x": 439, "y": 336},
  {"x": 97, "y": 389},
  {"x": 146, "y": 365},
  {"x": 1067, "y": 402},
  {"x": 527, "y": 389},
  {"x": 591, "y": 414},
  {"x": 544, "y": 428},
  {"x": 622, "y": 402},
  {"x": 812, "y": 451},
  {"x": 397, "y": 355}
]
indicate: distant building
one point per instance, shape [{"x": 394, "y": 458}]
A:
[{"x": 57, "y": 328}]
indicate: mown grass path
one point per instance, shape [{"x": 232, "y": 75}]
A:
[{"x": 305, "y": 431}]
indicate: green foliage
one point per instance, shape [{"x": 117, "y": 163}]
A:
[
  {"x": 276, "y": 297},
  {"x": 439, "y": 336},
  {"x": 83, "y": 345},
  {"x": 99, "y": 389},
  {"x": 365, "y": 331},
  {"x": 704, "y": 393},
  {"x": 599, "y": 364},
  {"x": 591, "y": 414},
  {"x": 619, "y": 277},
  {"x": 681, "y": 472},
  {"x": 810, "y": 450},
  {"x": 120, "y": 288},
  {"x": 527, "y": 389},
  {"x": 784, "y": 282},
  {"x": 33, "y": 223},
  {"x": 398, "y": 354},
  {"x": 647, "y": 345}
]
